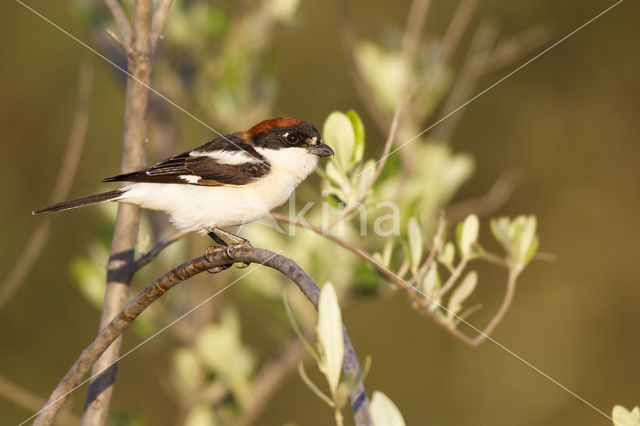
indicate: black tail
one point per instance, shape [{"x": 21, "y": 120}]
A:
[{"x": 82, "y": 201}]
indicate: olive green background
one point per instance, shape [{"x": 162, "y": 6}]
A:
[{"x": 568, "y": 122}]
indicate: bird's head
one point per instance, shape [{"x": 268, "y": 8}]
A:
[{"x": 287, "y": 132}]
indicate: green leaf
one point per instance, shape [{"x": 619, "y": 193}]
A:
[
  {"x": 330, "y": 336},
  {"x": 384, "y": 412},
  {"x": 500, "y": 230},
  {"x": 415, "y": 242},
  {"x": 447, "y": 255},
  {"x": 339, "y": 134},
  {"x": 527, "y": 237},
  {"x": 335, "y": 176},
  {"x": 461, "y": 293},
  {"x": 358, "y": 130},
  {"x": 431, "y": 281},
  {"x": 468, "y": 235}
]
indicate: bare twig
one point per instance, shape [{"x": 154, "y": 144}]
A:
[
  {"x": 154, "y": 291},
  {"x": 504, "y": 306},
  {"x": 379, "y": 166},
  {"x": 121, "y": 20},
  {"x": 117, "y": 40},
  {"x": 472, "y": 69},
  {"x": 362, "y": 87},
  {"x": 155, "y": 251},
  {"x": 509, "y": 50},
  {"x": 61, "y": 188},
  {"x": 424, "y": 305},
  {"x": 26, "y": 399},
  {"x": 413, "y": 31},
  {"x": 121, "y": 266},
  {"x": 487, "y": 203},
  {"x": 157, "y": 23},
  {"x": 456, "y": 29}
]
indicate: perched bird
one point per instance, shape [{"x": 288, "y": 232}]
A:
[{"x": 227, "y": 182}]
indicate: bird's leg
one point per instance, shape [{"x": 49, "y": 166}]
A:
[{"x": 238, "y": 242}]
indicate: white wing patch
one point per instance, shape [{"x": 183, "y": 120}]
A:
[
  {"x": 190, "y": 178},
  {"x": 232, "y": 158}
]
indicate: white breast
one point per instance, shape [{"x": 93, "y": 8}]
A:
[{"x": 200, "y": 208}]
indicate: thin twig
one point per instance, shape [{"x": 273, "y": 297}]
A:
[
  {"x": 424, "y": 305},
  {"x": 379, "y": 166},
  {"x": 452, "y": 278},
  {"x": 66, "y": 174},
  {"x": 117, "y": 40},
  {"x": 121, "y": 265},
  {"x": 507, "y": 51},
  {"x": 413, "y": 31},
  {"x": 159, "y": 17},
  {"x": 26, "y": 399},
  {"x": 155, "y": 251},
  {"x": 472, "y": 69},
  {"x": 154, "y": 291},
  {"x": 121, "y": 19},
  {"x": 457, "y": 28},
  {"x": 504, "y": 307},
  {"x": 487, "y": 203},
  {"x": 434, "y": 249}
]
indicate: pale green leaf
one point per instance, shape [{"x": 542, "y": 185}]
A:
[
  {"x": 623, "y": 417},
  {"x": 339, "y": 134},
  {"x": 500, "y": 230},
  {"x": 468, "y": 234},
  {"x": 330, "y": 337},
  {"x": 201, "y": 415},
  {"x": 431, "y": 281},
  {"x": 358, "y": 130},
  {"x": 336, "y": 177},
  {"x": 462, "y": 292},
  {"x": 415, "y": 242},
  {"x": 447, "y": 255},
  {"x": 384, "y": 412},
  {"x": 527, "y": 237}
]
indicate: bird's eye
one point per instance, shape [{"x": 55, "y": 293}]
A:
[{"x": 292, "y": 138}]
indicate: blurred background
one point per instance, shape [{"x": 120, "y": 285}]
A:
[{"x": 566, "y": 125}]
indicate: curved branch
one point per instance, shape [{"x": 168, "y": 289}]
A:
[{"x": 151, "y": 293}]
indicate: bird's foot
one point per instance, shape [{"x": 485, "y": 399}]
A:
[
  {"x": 208, "y": 254},
  {"x": 238, "y": 242}
]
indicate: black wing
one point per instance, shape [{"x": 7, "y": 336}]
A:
[{"x": 205, "y": 165}]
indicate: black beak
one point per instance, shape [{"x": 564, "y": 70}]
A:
[{"x": 321, "y": 150}]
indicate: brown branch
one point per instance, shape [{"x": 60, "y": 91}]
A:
[
  {"x": 418, "y": 300},
  {"x": 154, "y": 291},
  {"x": 122, "y": 22},
  {"x": 157, "y": 23},
  {"x": 26, "y": 399},
  {"x": 121, "y": 265},
  {"x": 67, "y": 172}
]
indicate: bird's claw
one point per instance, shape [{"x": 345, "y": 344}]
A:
[{"x": 231, "y": 247}]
